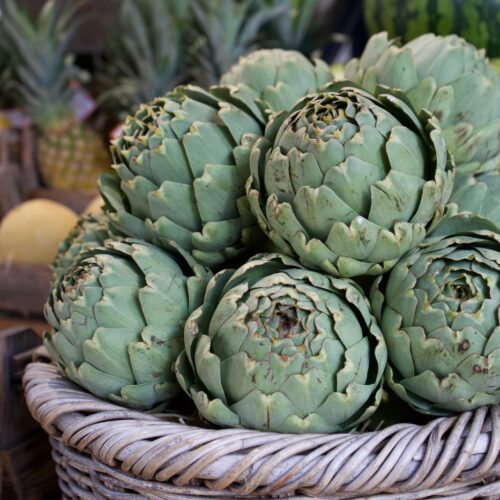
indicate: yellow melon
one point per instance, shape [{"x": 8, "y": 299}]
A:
[
  {"x": 94, "y": 207},
  {"x": 31, "y": 232}
]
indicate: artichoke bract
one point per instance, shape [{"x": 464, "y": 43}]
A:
[
  {"x": 450, "y": 78},
  {"x": 271, "y": 80},
  {"x": 439, "y": 312},
  {"x": 117, "y": 316},
  {"x": 281, "y": 348},
  {"x": 180, "y": 168},
  {"x": 348, "y": 182},
  {"x": 90, "y": 231},
  {"x": 479, "y": 194}
]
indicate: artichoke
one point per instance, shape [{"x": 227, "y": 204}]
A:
[
  {"x": 117, "y": 316},
  {"x": 450, "y": 78},
  {"x": 273, "y": 80},
  {"x": 90, "y": 231},
  {"x": 281, "y": 348},
  {"x": 480, "y": 194},
  {"x": 349, "y": 182},
  {"x": 180, "y": 166},
  {"x": 439, "y": 312}
]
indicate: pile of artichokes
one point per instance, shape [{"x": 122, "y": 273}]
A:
[{"x": 281, "y": 247}]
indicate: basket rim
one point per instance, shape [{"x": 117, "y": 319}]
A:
[{"x": 162, "y": 448}]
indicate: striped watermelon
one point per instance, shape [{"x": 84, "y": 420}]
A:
[{"x": 478, "y": 21}]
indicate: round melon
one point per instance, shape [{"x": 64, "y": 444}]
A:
[
  {"x": 478, "y": 21},
  {"x": 94, "y": 207},
  {"x": 31, "y": 232}
]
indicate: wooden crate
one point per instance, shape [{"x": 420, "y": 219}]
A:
[
  {"x": 76, "y": 200},
  {"x": 24, "y": 288},
  {"x": 28, "y": 472}
]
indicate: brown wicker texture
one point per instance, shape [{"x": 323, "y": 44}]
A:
[{"x": 105, "y": 451}]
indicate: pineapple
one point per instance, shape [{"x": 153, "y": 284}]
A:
[
  {"x": 70, "y": 155},
  {"x": 145, "y": 57}
]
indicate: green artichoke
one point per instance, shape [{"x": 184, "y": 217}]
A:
[
  {"x": 271, "y": 80},
  {"x": 91, "y": 231},
  {"x": 117, "y": 316},
  {"x": 439, "y": 312},
  {"x": 479, "y": 194},
  {"x": 450, "y": 78},
  {"x": 349, "y": 182},
  {"x": 281, "y": 348},
  {"x": 180, "y": 166}
]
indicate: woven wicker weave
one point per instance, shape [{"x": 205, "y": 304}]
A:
[{"x": 105, "y": 451}]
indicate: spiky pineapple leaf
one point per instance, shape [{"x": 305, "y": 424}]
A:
[
  {"x": 145, "y": 59},
  {"x": 298, "y": 28},
  {"x": 223, "y": 31},
  {"x": 42, "y": 67}
]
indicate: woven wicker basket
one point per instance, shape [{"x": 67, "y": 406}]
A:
[{"x": 105, "y": 451}]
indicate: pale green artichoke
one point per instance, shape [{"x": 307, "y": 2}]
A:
[
  {"x": 180, "y": 166},
  {"x": 450, "y": 78},
  {"x": 348, "y": 182},
  {"x": 278, "y": 347},
  {"x": 271, "y": 80},
  {"x": 439, "y": 312},
  {"x": 90, "y": 231},
  {"x": 480, "y": 194},
  {"x": 117, "y": 316}
]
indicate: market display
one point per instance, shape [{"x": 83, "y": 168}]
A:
[
  {"x": 278, "y": 163},
  {"x": 277, "y": 241},
  {"x": 250, "y": 249},
  {"x": 351, "y": 182}
]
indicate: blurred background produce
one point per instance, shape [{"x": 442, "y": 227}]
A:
[
  {"x": 478, "y": 21},
  {"x": 31, "y": 232},
  {"x": 72, "y": 71}
]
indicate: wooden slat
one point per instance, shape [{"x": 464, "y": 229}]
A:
[
  {"x": 15, "y": 420},
  {"x": 38, "y": 325},
  {"x": 30, "y": 177},
  {"x": 10, "y": 188},
  {"x": 28, "y": 470}
]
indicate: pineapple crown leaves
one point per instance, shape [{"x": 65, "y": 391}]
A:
[
  {"x": 43, "y": 69},
  {"x": 6, "y": 66},
  {"x": 225, "y": 30},
  {"x": 145, "y": 60},
  {"x": 297, "y": 28}
]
